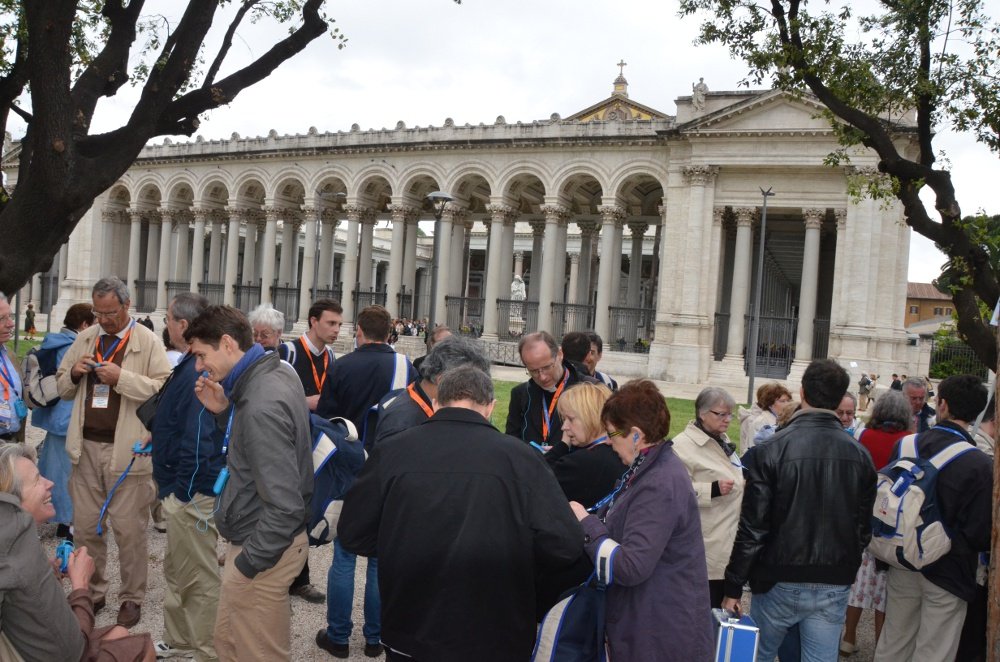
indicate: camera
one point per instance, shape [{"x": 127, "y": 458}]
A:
[{"x": 63, "y": 552}]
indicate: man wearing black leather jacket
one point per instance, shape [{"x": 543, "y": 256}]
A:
[{"x": 805, "y": 519}]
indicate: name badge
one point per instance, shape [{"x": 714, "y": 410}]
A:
[
  {"x": 102, "y": 394},
  {"x": 5, "y": 414}
]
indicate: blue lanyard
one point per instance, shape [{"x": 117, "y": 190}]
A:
[
  {"x": 229, "y": 431},
  {"x": 596, "y": 442},
  {"x": 950, "y": 431},
  {"x": 5, "y": 372},
  {"x": 622, "y": 482}
]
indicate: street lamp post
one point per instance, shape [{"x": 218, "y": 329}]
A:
[
  {"x": 438, "y": 200},
  {"x": 755, "y": 319}
]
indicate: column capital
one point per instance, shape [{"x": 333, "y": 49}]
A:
[
  {"x": 201, "y": 214},
  {"x": 574, "y": 258},
  {"x": 456, "y": 213},
  {"x": 358, "y": 213},
  {"x": 588, "y": 228},
  {"x": 136, "y": 215},
  {"x": 718, "y": 213},
  {"x": 840, "y": 214},
  {"x": 537, "y": 227},
  {"x": 311, "y": 214},
  {"x": 555, "y": 213},
  {"x": 638, "y": 229},
  {"x": 153, "y": 216},
  {"x": 111, "y": 215},
  {"x": 611, "y": 213},
  {"x": 518, "y": 255},
  {"x": 502, "y": 213},
  {"x": 745, "y": 215},
  {"x": 237, "y": 213},
  {"x": 813, "y": 218},
  {"x": 701, "y": 175},
  {"x": 403, "y": 213}
]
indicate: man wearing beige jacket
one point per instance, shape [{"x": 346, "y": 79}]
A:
[{"x": 109, "y": 370}]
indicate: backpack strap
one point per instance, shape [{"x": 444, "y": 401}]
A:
[
  {"x": 908, "y": 446},
  {"x": 400, "y": 372},
  {"x": 289, "y": 351},
  {"x": 324, "y": 447},
  {"x": 604, "y": 560},
  {"x": 942, "y": 458}
]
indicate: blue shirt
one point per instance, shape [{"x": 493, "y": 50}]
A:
[{"x": 10, "y": 396}]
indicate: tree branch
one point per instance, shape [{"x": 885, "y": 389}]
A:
[
  {"x": 925, "y": 102},
  {"x": 227, "y": 43}
]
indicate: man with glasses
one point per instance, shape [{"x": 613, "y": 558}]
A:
[
  {"x": 109, "y": 370},
  {"x": 12, "y": 407},
  {"x": 532, "y": 416}
]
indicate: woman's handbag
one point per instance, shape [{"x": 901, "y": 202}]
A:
[
  {"x": 146, "y": 412},
  {"x": 573, "y": 630}
]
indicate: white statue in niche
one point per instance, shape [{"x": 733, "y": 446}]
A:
[
  {"x": 517, "y": 290},
  {"x": 698, "y": 93},
  {"x": 515, "y": 319}
]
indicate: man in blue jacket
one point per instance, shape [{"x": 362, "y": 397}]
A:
[{"x": 187, "y": 458}]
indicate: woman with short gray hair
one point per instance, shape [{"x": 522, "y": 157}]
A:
[
  {"x": 268, "y": 324},
  {"x": 717, "y": 477}
]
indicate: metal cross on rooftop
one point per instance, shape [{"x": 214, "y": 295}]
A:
[{"x": 621, "y": 67}]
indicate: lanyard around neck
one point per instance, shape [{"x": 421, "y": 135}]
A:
[
  {"x": 5, "y": 376},
  {"x": 229, "y": 431},
  {"x": 319, "y": 381},
  {"x": 116, "y": 346},
  {"x": 412, "y": 390},
  {"x": 548, "y": 410}
]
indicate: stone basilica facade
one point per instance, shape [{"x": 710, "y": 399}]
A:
[{"x": 642, "y": 225}]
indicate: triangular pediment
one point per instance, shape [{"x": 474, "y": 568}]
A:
[
  {"x": 617, "y": 108},
  {"x": 12, "y": 157},
  {"x": 773, "y": 111}
]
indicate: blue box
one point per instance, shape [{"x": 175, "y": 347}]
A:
[{"x": 735, "y": 638}]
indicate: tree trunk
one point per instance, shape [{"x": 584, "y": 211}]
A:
[{"x": 993, "y": 580}]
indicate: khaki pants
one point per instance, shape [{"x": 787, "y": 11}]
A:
[
  {"x": 128, "y": 514},
  {"x": 191, "y": 572},
  {"x": 923, "y": 622},
  {"x": 255, "y": 617}
]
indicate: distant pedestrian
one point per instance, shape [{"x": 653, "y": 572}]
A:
[{"x": 29, "y": 322}]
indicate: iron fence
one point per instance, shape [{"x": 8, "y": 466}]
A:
[
  {"x": 951, "y": 356},
  {"x": 214, "y": 292},
  {"x": 720, "y": 336},
  {"x": 365, "y": 298},
  {"x": 631, "y": 329},
  {"x": 821, "y": 338},
  {"x": 775, "y": 346},
  {"x": 502, "y": 353},
  {"x": 568, "y": 317},
  {"x": 286, "y": 299},
  {"x": 175, "y": 287},
  {"x": 145, "y": 296},
  {"x": 247, "y": 296},
  {"x": 336, "y": 293},
  {"x": 464, "y": 315},
  {"x": 516, "y": 317}
]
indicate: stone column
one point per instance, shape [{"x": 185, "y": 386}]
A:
[
  {"x": 134, "y": 246},
  {"x": 807, "y": 291},
  {"x": 537, "y": 239},
  {"x": 215, "y": 250},
  {"x": 201, "y": 215},
  {"x": 153, "y": 234},
  {"x": 499, "y": 214},
  {"x": 551, "y": 264},
  {"x": 296, "y": 226},
  {"x": 308, "y": 263},
  {"x": 459, "y": 252},
  {"x": 741, "y": 280},
  {"x": 616, "y": 261},
  {"x": 254, "y": 222},
  {"x": 397, "y": 252},
  {"x": 350, "y": 265},
  {"x": 716, "y": 251},
  {"x": 582, "y": 292},
  {"x": 559, "y": 277},
  {"x": 507, "y": 249},
  {"x": 182, "y": 220},
  {"x": 410, "y": 258},
  {"x": 444, "y": 263},
  {"x": 841, "y": 305},
  {"x": 288, "y": 244},
  {"x": 635, "y": 263},
  {"x": 518, "y": 264},
  {"x": 326, "y": 252},
  {"x": 611, "y": 222},
  {"x": 163, "y": 264},
  {"x": 365, "y": 279},
  {"x": 574, "y": 273},
  {"x": 236, "y": 216},
  {"x": 271, "y": 215}
]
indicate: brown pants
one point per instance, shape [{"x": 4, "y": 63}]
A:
[
  {"x": 255, "y": 617},
  {"x": 128, "y": 514}
]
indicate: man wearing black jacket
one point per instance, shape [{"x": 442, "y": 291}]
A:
[
  {"x": 926, "y": 609},
  {"x": 459, "y": 516},
  {"x": 804, "y": 521},
  {"x": 532, "y": 415}
]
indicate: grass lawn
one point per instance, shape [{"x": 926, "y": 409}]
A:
[
  {"x": 681, "y": 411},
  {"x": 23, "y": 346}
]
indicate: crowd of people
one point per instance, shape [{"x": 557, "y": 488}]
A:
[{"x": 471, "y": 534}]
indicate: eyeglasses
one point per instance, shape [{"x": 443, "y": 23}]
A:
[
  {"x": 264, "y": 335},
  {"x": 616, "y": 433},
  {"x": 6, "y": 318},
  {"x": 99, "y": 315},
  {"x": 722, "y": 414},
  {"x": 535, "y": 372}
]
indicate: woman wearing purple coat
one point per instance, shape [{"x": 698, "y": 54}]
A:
[{"x": 657, "y": 604}]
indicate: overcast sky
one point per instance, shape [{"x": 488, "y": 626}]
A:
[{"x": 422, "y": 61}]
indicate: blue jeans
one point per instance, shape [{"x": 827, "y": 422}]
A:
[
  {"x": 54, "y": 464},
  {"x": 340, "y": 598},
  {"x": 818, "y": 610}
]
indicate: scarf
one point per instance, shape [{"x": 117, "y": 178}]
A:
[
  {"x": 241, "y": 366},
  {"x": 727, "y": 447}
]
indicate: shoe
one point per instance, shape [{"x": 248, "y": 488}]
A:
[
  {"x": 165, "y": 651},
  {"x": 334, "y": 649},
  {"x": 374, "y": 650},
  {"x": 99, "y": 605},
  {"x": 309, "y": 593},
  {"x": 847, "y": 648},
  {"x": 129, "y": 613},
  {"x": 63, "y": 531}
]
